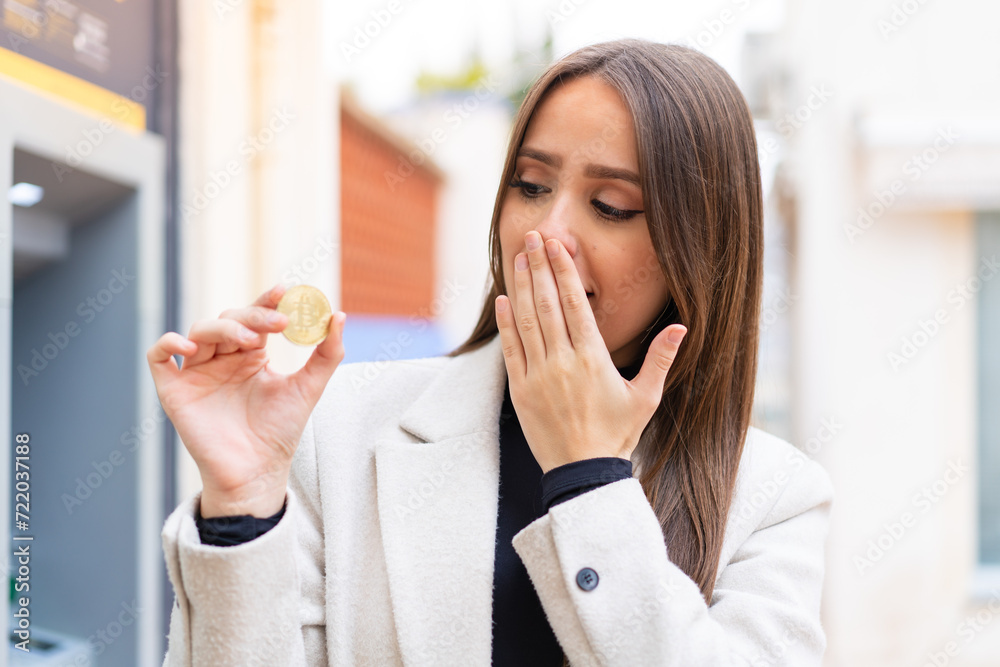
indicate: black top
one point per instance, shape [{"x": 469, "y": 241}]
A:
[{"x": 521, "y": 632}]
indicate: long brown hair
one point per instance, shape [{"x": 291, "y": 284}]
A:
[{"x": 703, "y": 204}]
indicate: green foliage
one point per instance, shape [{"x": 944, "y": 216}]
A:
[
  {"x": 524, "y": 68},
  {"x": 465, "y": 79}
]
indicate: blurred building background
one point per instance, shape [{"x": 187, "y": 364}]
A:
[{"x": 357, "y": 147}]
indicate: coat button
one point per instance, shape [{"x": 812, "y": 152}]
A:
[{"x": 586, "y": 579}]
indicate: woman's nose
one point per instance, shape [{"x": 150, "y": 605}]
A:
[{"x": 557, "y": 223}]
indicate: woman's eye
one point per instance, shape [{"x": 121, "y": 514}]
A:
[
  {"x": 612, "y": 212},
  {"x": 528, "y": 190}
]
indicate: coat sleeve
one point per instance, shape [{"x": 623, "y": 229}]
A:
[
  {"x": 645, "y": 610},
  {"x": 256, "y": 603}
]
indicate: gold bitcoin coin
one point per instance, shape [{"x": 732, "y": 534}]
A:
[{"x": 309, "y": 315}]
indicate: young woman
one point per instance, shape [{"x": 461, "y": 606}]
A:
[{"x": 572, "y": 485}]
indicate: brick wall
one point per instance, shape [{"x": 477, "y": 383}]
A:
[{"x": 387, "y": 228}]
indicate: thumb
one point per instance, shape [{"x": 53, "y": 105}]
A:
[
  {"x": 659, "y": 358},
  {"x": 313, "y": 377}
]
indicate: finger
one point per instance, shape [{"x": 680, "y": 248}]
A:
[
  {"x": 526, "y": 318},
  {"x": 510, "y": 340},
  {"x": 269, "y": 301},
  {"x": 578, "y": 314},
  {"x": 547, "y": 303},
  {"x": 160, "y": 355},
  {"x": 659, "y": 358},
  {"x": 261, "y": 319},
  {"x": 271, "y": 297},
  {"x": 221, "y": 336},
  {"x": 312, "y": 378}
]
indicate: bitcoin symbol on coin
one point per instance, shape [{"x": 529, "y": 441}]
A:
[{"x": 309, "y": 315}]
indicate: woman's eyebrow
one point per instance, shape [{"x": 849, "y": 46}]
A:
[
  {"x": 600, "y": 171},
  {"x": 591, "y": 170},
  {"x": 541, "y": 156}
]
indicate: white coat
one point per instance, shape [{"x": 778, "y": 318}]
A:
[{"x": 385, "y": 552}]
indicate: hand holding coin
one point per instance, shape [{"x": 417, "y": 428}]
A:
[{"x": 240, "y": 420}]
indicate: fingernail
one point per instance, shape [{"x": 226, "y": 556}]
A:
[
  {"x": 552, "y": 248},
  {"x": 532, "y": 240},
  {"x": 676, "y": 335},
  {"x": 246, "y": 334},
  {"x": 274, "y": 317},
  {"x": 501, "y": 305},
  {"x": 521, "y": 261}
]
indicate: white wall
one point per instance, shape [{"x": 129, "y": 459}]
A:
[{"x": 865, "y": 288}]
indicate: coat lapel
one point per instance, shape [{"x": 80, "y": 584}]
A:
[{"x": 437, "y": 505}]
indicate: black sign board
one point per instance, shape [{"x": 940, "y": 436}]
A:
[{"x": 111, "y": 43}]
